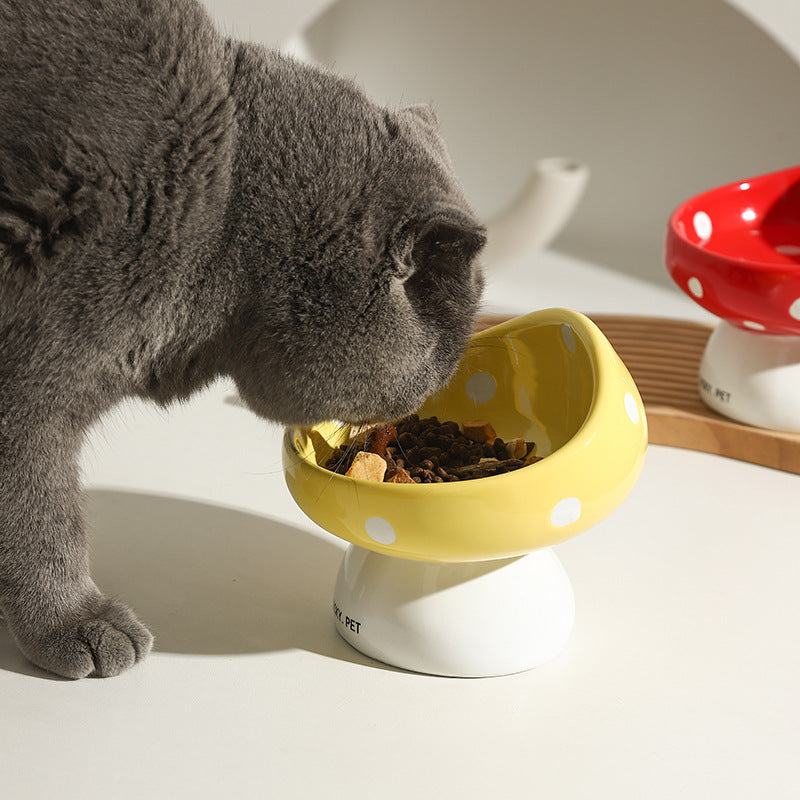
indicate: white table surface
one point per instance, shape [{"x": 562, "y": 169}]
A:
[{"x": 681, "y": 678}]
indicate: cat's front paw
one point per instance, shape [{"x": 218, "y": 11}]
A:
[{"x": 105, "y": 641}]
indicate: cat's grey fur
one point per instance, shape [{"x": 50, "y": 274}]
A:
[{"x": 175, "y": 206}]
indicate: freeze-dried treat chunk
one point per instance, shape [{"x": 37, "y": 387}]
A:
[
  {"x": 367, "y": 466},
  {"x": 479, "y": 430},
  {"x": 401, "y": 476},
  {"x": 517, "y": 448}
]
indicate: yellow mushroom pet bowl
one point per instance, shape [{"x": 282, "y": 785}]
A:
[{"x": 459, "y": 578}]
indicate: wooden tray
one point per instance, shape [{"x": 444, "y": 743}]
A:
[{"x": 663, "y": 356}]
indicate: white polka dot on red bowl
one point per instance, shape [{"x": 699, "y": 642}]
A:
[
  {"x": 702, "y": 225},
  {"x": 695, "y": 287}
]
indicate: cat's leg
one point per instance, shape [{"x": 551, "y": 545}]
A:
[{"x": 58, "y": 617}]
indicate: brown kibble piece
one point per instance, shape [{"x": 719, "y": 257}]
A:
[
  {"x": 368, "y": 467},
  {"x": 486, "y": 467},
  {"x": 500, "y": 449},
  {"x": 479, "y": 430},
  {"x": 401, "y": 476},
  {"x": 430, "y": 451},
  {"x": 517, "y": 448}
]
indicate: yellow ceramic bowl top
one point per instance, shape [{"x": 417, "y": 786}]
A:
[{"x": 550, "y": 377}]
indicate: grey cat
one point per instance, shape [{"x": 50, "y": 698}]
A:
[{"x": 175, "y": 206}]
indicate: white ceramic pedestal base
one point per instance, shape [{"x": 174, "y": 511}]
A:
[
  {"x": 752, "y": 377},
  {"x": 474, "y": 619}
]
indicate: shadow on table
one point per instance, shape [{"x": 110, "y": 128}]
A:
[{"x": 210, "y": 580}]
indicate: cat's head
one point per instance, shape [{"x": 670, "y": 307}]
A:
[{"x": 365, "y": 285}]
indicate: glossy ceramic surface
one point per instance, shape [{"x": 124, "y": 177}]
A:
[
  {"x": 752, "y": 379},
  {"x": 464, "y": 620},
  {"x": 537, "y": 214},
  {"x": 735, "y": 250},
  {"x": 551, "y": 377}
]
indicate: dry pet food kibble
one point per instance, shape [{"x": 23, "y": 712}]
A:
[{"x": 429, "y": 451}]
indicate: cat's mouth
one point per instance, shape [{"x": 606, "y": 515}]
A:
[{"x": 403, "y": 398}]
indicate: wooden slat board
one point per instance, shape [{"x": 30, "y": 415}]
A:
[{"x": 663, "y": 356}]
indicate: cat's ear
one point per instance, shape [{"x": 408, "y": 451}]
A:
[
  {"x": 425, "y": 112},
  {"x": 445, "y": 238}
]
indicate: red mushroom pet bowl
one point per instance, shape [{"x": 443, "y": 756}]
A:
[{"x": 735, "y": 250}]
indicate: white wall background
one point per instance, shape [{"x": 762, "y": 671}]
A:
[
  {"x": 663, "y": 98},
  {"x": 268, "y": 21},
  {"x": 779, "y": 18}
]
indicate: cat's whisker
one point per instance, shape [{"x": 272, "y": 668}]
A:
[{"x": 327, "y": 484}]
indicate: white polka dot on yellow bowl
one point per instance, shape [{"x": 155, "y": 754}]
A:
[
  {"x": 565, "y": 512},
  {"x": 481, "y": 387},
  {"x": 380, "y": 530},
  {"x": 631, "y": 408},
  {"x": 568, "y": 335}
]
